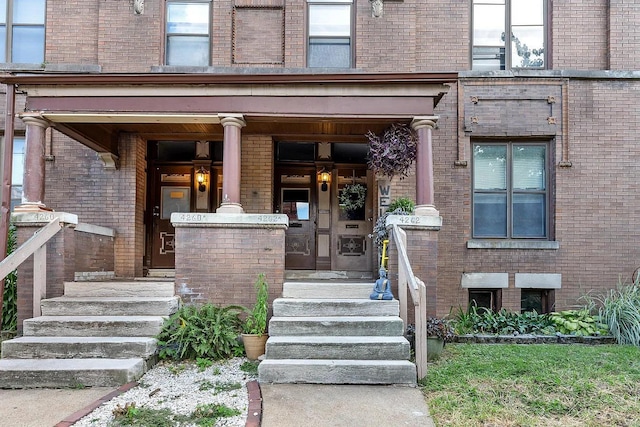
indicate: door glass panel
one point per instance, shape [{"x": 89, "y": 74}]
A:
[
  {"x": 175, "y": 199},
  {"x": 295, "y": 203}
]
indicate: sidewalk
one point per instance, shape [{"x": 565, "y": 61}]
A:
[
  {"x": 46, "y": 407},
  {"x": 283, "y": 405},
  {"x": 289, "y": 405}
]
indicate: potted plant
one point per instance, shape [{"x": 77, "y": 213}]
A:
[
  {"x": 439, "y": 331},
  {"x": 254, "y": 336},
  {"x": 393, "y": 151}
]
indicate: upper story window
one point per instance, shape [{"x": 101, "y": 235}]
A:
[
  {"x": 330, "y": 38},
  {"x": 509, "y": 34},
  {"x": 188, "y": 33},
  {"x": 510, "y": 190},
  {"x": 22, "y": 31}
]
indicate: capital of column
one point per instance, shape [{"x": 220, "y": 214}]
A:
[
  {"x": 36, "y": 121},
  {"x": 236, "y": 120},
  {"x": 424, "y": 121}
]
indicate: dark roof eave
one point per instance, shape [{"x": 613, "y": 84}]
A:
[{"x": 204, "y": 79}]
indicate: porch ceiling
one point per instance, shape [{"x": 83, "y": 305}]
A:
[{"x": 95, "y": 109}]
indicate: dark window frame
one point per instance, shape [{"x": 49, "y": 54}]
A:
[
  {"x": 510, "y": 191},
  {"x": 547, "y": 299},
  {"x": 351, "y": 37},
  {"x": 168, "y": 35},
  {"x": 9, "y": 25},
  {"x": 504, "y": 53},
  {"x": 495, "y": 297}
]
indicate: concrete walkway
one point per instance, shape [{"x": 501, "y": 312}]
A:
[
  {"x": 45, "y": 407},
  {"x": 285, "y": 405}
]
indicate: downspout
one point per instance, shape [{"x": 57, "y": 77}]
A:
[{"x": 5, "y": 207}]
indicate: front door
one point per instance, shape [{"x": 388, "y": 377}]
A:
[
  {"x": 171, "y": 192},
  {"x": 295, "y": 197},
  {"x": 352, "y": 216}
]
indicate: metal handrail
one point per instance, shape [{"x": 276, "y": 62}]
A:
[
  {"x": 36, "y": 245},
  {"x": 418, "y": 292}
]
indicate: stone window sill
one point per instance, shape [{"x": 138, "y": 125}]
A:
[{"x": 513, "y": 244}]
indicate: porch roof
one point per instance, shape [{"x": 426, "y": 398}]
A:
[{"x": 95, "y": 108}]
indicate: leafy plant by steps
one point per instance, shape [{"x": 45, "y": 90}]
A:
[
  {"x": 207, "y": 332},
  {"x": 256, "y": 321}
]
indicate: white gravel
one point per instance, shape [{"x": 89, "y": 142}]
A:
[{"x": 180, "y": 387}]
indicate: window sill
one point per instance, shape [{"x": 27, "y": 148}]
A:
[
  {"x": 69, "y": 68},
  {"x": 513, "y": 244}
]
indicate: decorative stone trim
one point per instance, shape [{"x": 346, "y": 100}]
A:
[
  {"x": 538, "y": 280},
  {"x": 226, "y": 220},
  {"x": 429, "y": 222},
  {"x": 484, "y": 280}
]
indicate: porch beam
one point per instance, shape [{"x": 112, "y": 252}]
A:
[{"x": 103, "y": 144}]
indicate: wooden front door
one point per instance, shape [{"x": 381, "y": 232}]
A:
[
  {"x": 295, "y": 197},
  {"x": 171, "y": 191},
  {"x": 350, "y": 228}
]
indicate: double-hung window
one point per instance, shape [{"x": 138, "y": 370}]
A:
[
  {"x": 330, "y": 38},
  {"x": 188, "y": 33},
  {"x": 510, "y": 190},
  {"x": 509, "y": 34},
  {"x": 22, "y": 31}
]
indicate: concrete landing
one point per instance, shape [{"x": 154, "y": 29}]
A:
[{"x": 289, "y": 405}]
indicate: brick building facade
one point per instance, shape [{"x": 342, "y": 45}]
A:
[{"x": 133, "y": 80}]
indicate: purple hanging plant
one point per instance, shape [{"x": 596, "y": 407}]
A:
[{"x": 393, "y": 151}]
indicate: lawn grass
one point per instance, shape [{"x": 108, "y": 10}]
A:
[{"x": 535, "y": 385}]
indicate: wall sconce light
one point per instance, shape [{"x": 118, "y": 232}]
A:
[
  {"x": 201, "y": 178},
  {"x": 324, "y": 177}
]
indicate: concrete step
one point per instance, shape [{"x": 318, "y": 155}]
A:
[
  {"x": 133, "y": 288},
  {"x": 313, "y": 371},
  {"x": 56, "y": 373},
  {"x": 96, "y": 326},
  {"x": 337, "y": 325},
  {"x": 110, "y": 306},
  {"x": 79, "y": 347},
  {"x": 331, "y": 347},
  {"x": 309, "y": 307},
  {"x": 310, "y": 289}
]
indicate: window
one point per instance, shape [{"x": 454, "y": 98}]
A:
[
  {"x": 329, "y": 33},
  {"x": 539, "y": 300},
  {"x": 510, "y": 195},
  {"x": 22, "y": 31},
  {"x": 523, "y": 46},
  {"x": 491, "y": 299},
  {"x": 17, "y": 171},
  {"x": 188, "y": 26}
]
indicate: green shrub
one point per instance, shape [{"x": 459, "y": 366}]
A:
[
  {"x": 400, "y": 206},
  {"x": 206, "y": 331},
  {"x": 10, "y": 297},
  {"x": 578, "y": 322},
  {"x": 620, "y": 311},
  {"x": 482, "y": 320}
]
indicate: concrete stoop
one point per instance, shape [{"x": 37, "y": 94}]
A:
[
  {"x": 332, "y": 333},
  {"x": 97, "y": 334}
]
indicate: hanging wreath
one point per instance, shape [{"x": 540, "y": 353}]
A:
[{"x": 353, "y": 196}]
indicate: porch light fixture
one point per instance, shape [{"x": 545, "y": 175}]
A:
[
  {"x": 324, "y": 177},
  {"x": 201, "y": 178}
]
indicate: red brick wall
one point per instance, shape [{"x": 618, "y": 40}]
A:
[
  {"x": 624, "y": 35},
  {"x": 579, "y": 39},
  {"x": 72, "y": 31},
  {"x": 256, "y": 186},
  {"x": 221, "y": 265},
  {"x": 60, "y": 268},
  {"x": 100, "y": 196}
]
